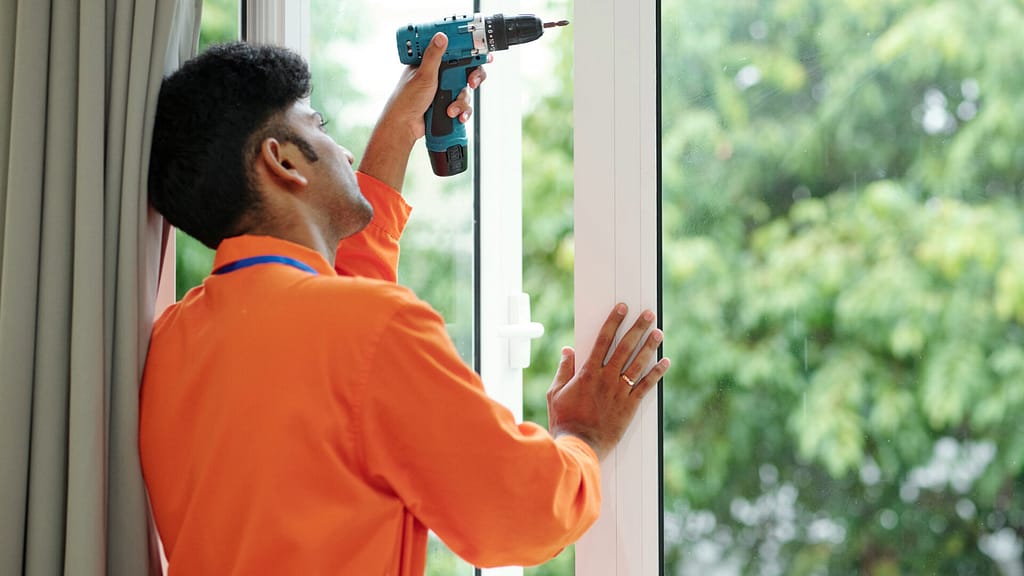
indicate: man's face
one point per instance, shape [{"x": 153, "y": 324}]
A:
[{"x": 333, "y": 189}]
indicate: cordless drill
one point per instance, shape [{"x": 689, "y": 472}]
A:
[{"x": 470, "y": 38}]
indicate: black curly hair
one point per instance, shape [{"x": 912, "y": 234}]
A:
[{"x": 211, "y": 116}]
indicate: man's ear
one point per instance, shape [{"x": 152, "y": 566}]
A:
[{"x": 279, "y": 160}]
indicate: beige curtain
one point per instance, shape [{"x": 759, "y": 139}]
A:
[{"x": 79, "y": 257}]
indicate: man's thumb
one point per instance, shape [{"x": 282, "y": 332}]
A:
[
  {"x": 433, "y": 54},
  {"x": 566, "y": 366}
]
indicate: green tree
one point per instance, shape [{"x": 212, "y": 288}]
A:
[{"x": 842, "y": 224}]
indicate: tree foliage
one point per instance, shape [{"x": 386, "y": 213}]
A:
[{"x": 842, "y": 278}]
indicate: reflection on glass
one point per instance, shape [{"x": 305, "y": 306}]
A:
[{"x": 843, "y": 286}]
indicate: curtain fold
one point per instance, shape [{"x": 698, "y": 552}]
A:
[
  {"x": 8, "y": 15},
  {"x": 79, "y": 257},
  {"x": 19, "y": 277}
]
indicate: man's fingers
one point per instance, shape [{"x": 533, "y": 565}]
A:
[
  {"x": 606, "y": 335},
  {"x": 461, "y": 108},
  {"x": 650, "y": 380},
  {"x": 566, "y": 370},
  {"x": 630, "y": 340},
  {"x": 648, "y": 351},
  {"x": 476, "y": 77}
]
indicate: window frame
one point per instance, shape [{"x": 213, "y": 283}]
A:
[
  {"x": 281, "y": 22},
  {"x": 617, "y": 234},
  {"x": 499, "y": 205}
]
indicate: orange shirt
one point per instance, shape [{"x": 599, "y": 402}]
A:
[{"x": 309, "y": 422}]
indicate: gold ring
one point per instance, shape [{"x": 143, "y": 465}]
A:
[{"x": 627, "y": 379}]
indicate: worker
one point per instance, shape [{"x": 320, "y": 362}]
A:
[{"x": 301, "y": 412}]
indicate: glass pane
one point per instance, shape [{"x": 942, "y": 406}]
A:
[
  {"x": 843, "y": 286},
  {"x": 547, "y": 215},
  {"x": 354, "y": 62}
]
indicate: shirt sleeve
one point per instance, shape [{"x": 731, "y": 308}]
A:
[
  {"x": 495, "y": 492},
  {"x": 373, "y": 252}
]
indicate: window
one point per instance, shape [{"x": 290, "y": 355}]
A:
[{"x": 841, "y": 210}]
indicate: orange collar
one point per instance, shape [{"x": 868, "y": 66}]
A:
[{"x": 239, "y": 248}]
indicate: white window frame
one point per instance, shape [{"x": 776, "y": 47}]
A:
[
  {"x": 279, "y": 22},
  {"x": 616, "y": 233},
  {"x": 500, "y": 176}
]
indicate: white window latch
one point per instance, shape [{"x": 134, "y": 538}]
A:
[{"x": 520, "y": 330}]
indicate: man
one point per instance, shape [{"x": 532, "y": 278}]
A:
[{"x": 300, "y": 412}]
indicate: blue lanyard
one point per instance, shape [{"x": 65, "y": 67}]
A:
[{"x": 268, "y": 259}]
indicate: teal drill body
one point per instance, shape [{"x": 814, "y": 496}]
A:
[{"x": 470, "y": 39}]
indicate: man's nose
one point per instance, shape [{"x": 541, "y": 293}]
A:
[{"x": 351, "y": 158}]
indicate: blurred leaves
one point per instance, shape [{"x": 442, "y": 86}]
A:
[{"x": 843, "y": 279}]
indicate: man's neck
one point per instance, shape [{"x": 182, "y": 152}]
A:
[{"x": 303, "y": 233}]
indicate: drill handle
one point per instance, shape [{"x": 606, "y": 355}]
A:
[{"x": 446, "y": 137}]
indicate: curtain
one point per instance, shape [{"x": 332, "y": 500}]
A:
[{"x": 79, "y": 257}]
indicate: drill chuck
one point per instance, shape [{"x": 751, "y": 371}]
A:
[
  {"x": 471, "y": 35},
  {"x": 503, "y": 31}
]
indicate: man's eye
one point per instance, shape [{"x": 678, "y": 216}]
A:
[{"x": 323, "y": 122}]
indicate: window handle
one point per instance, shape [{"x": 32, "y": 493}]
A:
[{"x": 520, "y": 330}]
